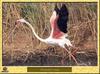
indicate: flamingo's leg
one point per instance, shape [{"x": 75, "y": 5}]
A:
[
  {"x": 76, "y": 49},
  {"x": 72, "y": 56}
]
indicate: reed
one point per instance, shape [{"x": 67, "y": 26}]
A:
[{"x": 82, "y": 28}]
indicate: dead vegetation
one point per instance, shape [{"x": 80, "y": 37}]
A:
[{"x": 20, "y": 46}]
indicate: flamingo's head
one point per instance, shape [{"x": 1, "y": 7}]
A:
[{"x": 21, "y": 20}]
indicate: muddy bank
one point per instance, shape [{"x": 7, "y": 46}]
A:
[{"x": 40, "y": 59}]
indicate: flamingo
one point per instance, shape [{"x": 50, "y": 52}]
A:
[{"x": 58, "y": 34}]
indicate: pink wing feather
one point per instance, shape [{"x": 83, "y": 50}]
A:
[{"x": 53, "y": 21}]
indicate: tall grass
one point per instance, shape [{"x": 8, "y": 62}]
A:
[{"x": 82, "y": 25}]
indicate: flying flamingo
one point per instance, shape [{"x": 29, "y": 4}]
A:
[{"x": 58, "y": 34}]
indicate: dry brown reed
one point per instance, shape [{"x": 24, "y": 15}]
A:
[{"x": 18, "y": 39}]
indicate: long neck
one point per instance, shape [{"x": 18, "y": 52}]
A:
[{"x": 43, "y": 40}]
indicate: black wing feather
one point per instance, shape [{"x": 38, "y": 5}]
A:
[
  {"x": 63, "y": 18},
  {"x": 56, "y": 9}
]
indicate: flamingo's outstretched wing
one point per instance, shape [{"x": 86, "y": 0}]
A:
[
  {"x": 58, "y": 21},
  {"x": 63, "y": 18}
]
